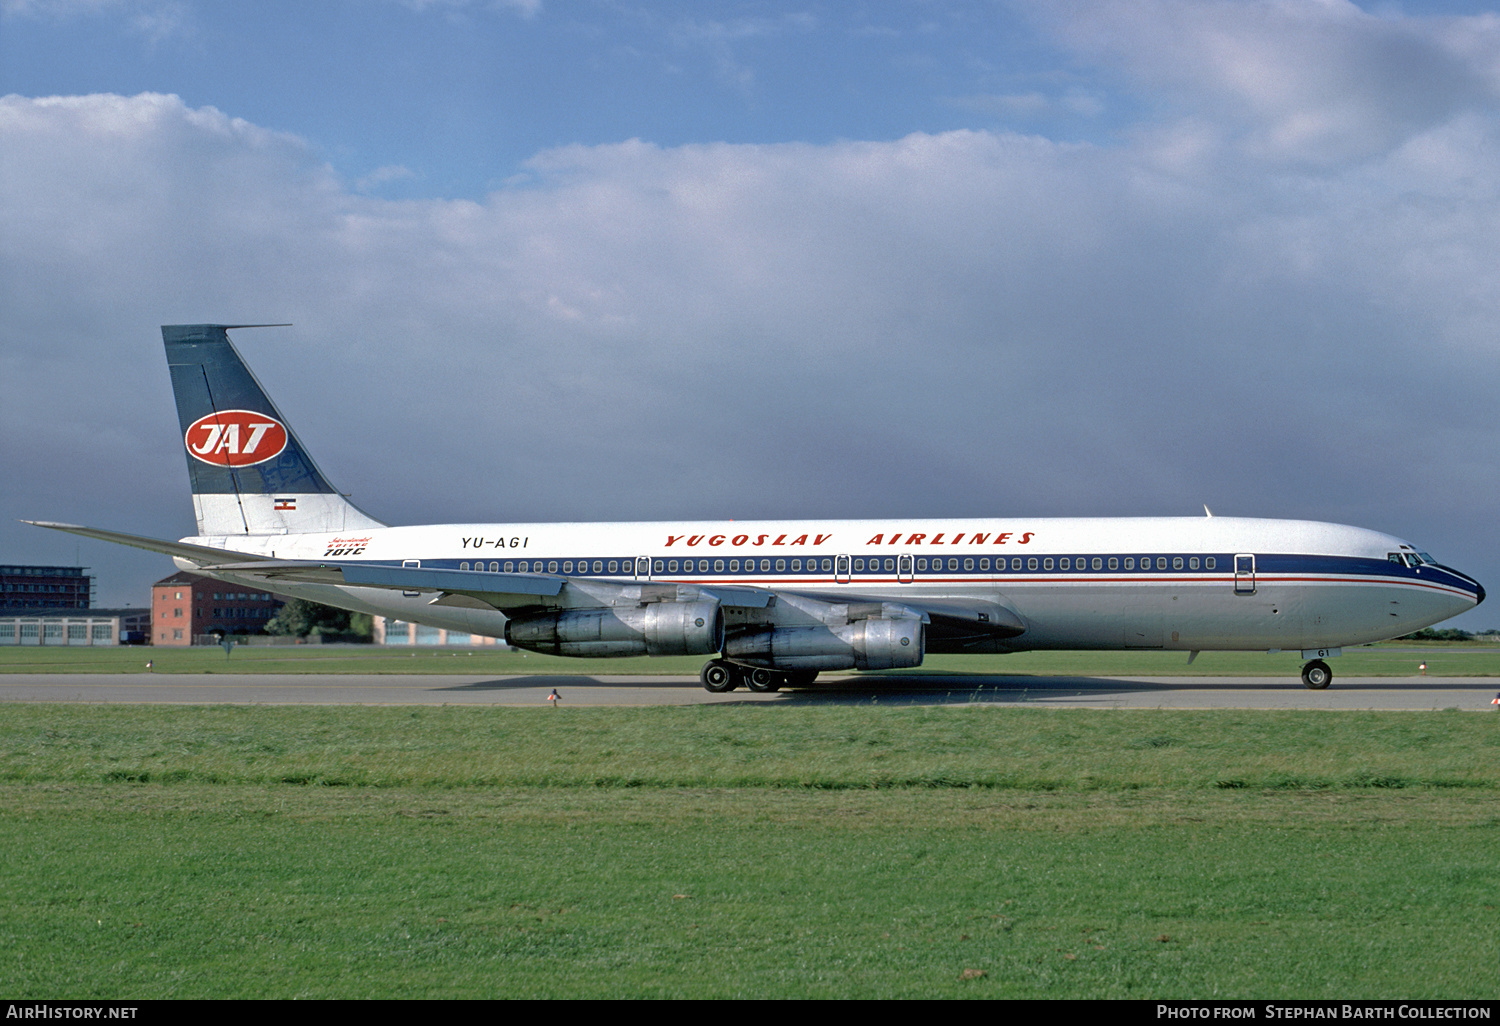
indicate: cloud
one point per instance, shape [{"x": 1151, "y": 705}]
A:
[
  {"x": 965, "y": 323},
  {"x": 1316, "y": 81}
]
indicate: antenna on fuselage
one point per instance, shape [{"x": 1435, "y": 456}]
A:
[{"x": 1206, "y": 511}]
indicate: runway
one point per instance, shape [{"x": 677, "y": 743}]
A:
[{"x": 1463, "y": 693}]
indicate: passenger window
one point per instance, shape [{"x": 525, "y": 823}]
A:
[
  {"x": 614, "y": 566},
  {"x": 463, "y": 566},
  {"x": 984, "y": 564},
  {"x": 494, "y": 567},
  {"x": 1097, "y": 563},
  {"x": 827, "y": 564},
  {"x": 510, "y": 567},
  {"x": 659, "y": 565},
  {"x": 1129, "y": 562},
  {"x": 1031, "y": 563},
  {"x": 1114, "y": 564},
  {"x": 734, "y": 566},
  {"x": 1209, "y": 563},
  {"x": 1065, "y": 563},
  {"x": 890, "y": 564},
  {"x": 1176, "y": 562},
  {"x": 1192, "y": 562},
  {"x": 567, "y": 566},
  {"x": 968, "y": 564},
  {"x": 781, "y": 566},
  {"x": 1161, "y": 562},
  {"x": 1047, "y": 563},
  {"x": 718, "y": 566},
  {"x": 859, "y": 564},
  {"x": 552, "y": 566},
  {"x": 922, "y": 564},
  {"x": 671, "y": 566}
]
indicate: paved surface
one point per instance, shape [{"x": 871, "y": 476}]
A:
[{"x": 1470, "y": 693}]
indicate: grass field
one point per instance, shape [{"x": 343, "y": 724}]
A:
[
  {"x": 1395, "y": 659},
  {"x": 752, "y": 851}
]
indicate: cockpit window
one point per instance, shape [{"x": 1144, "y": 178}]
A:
[
  {"x": 1394, "y": 557},
  {"x": 1426, "y": 558}
]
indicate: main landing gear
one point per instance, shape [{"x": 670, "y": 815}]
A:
[
  {"x": 720, "y": 675},
  {"x": 1317, "y": 675}
]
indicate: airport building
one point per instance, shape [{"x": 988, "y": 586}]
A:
[
  {"x": 45, "y": 588},
  {"x": 402, "y": 632},
  {"x": 76, "y": 627},
  {"x": 188, "y": 609}
]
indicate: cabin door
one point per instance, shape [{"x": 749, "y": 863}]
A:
[{"x": 1244, "y": 574}]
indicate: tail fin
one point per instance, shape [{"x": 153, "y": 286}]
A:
[{"x": 250, "y": 474}]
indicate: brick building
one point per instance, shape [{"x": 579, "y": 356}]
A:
[{"x": 185, "y": 607}]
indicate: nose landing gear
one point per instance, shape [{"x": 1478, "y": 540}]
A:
[{"x": 1316, "y": 675}]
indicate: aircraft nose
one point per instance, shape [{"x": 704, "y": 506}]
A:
[{"x": 1468, "y": 584}]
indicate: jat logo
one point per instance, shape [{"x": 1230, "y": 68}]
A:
[{"x": 236, "y": 438}]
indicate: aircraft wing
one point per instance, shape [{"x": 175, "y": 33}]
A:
[{"x": 475, "y": 589}]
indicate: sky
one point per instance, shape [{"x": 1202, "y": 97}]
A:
[{"x": 629, "y": 261}]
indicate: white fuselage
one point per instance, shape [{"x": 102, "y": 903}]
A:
[{"x": 1199, "y": 583}]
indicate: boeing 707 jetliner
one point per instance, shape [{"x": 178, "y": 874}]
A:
[{"x": 775, "y": 602}]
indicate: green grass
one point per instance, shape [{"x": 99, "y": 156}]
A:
[
  {"x": 1395, "y": 659},
  {"x": 749, "y": 746},
  {"x": 746, "y": 851}
]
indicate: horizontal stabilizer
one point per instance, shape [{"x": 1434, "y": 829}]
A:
[{"x": 200, "y": 554}]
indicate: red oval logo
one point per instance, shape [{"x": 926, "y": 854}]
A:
[{"x": 235, "y": 438}]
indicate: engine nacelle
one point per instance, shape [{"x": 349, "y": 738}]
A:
[
  {"x": 878, "y": 643},
  {"x": 660, "y": 628}
]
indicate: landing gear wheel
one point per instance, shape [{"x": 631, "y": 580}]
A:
[
  {"x": 718, "y": 677},
  {"x": 763, "y": 680},
  {"x": 1317, "y": 675}
]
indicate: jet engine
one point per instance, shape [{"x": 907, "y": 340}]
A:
[
  {"x": 659, "y": 628},
  {"x": 877, "y": 643}
]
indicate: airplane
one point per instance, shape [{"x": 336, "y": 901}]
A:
[{"x": 777, "y": 602}]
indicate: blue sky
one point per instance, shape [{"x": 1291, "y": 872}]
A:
[
  {"x": 612, "y": 261},
  {"x": 460, "y": 95}
]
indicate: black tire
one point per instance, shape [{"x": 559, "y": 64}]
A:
[
  {"x": 1316, "y": 675},
  {"x": 763, "y": 680},
  {"x": 717, "y": 677}
]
